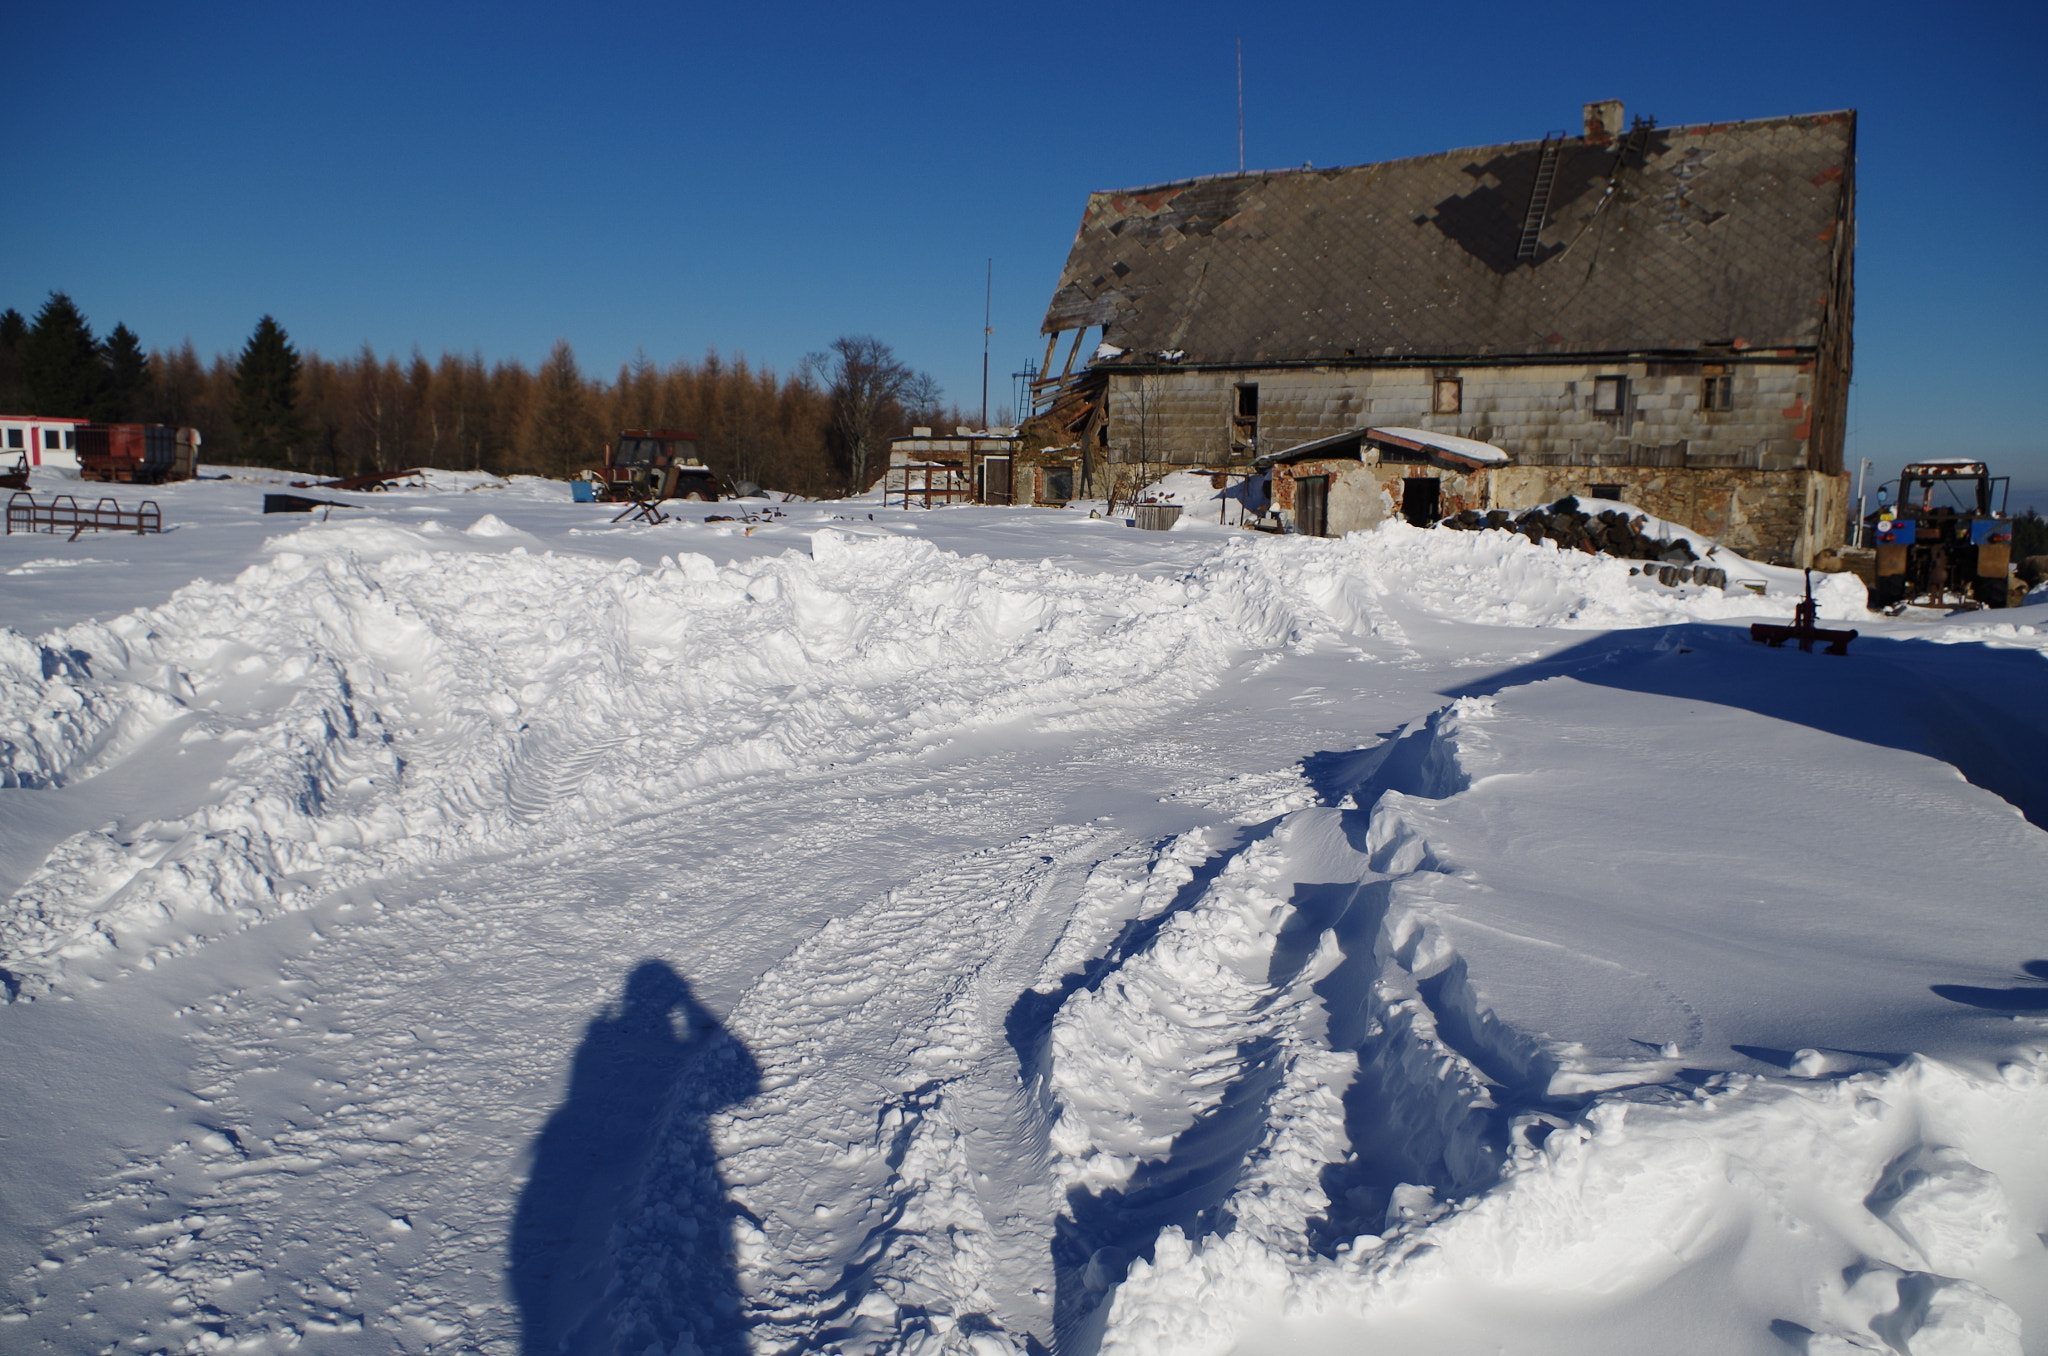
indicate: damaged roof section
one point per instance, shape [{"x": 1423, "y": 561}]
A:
[{"x": 1661, "y": 239}]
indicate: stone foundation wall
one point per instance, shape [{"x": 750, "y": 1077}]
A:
[{"x": 1778, "y": 517}]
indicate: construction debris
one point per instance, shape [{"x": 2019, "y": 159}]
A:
[
  {"x": 412, "y": 479},
  {"x": 299, "y": 503}
]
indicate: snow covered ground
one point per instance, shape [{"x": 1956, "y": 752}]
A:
[{"x": 460, "y": 924}]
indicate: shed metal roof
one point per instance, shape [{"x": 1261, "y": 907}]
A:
[{"x": 1669, "y": 239}]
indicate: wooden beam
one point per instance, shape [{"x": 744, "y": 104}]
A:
[{"x": 1068, "y": 370}]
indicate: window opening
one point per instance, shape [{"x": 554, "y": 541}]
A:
[
  {"x": 1450, "y": 395},
  {"x": 1610, "y": 395},
  {"x": 1244, "y": 419},
  {"x": 1058, "y": 484},
  {"x": 1603, "y": 491},
  {"x": 1420, "y": 498},
  {"x": 1717, "y": 389},
  {"x": 14, "y": 438}
]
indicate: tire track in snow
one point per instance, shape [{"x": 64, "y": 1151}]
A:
[{"x": 891, "y": 1173}]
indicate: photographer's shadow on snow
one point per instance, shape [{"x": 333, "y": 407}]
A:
[{"x": 650, "y": 1072}]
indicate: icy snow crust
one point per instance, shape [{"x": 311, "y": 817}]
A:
[{"x": 1562, "y": 990}]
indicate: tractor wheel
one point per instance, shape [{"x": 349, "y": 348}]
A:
[
  {"x": 1991, "y": 591},
  {"x": 1890, "y": 589}
]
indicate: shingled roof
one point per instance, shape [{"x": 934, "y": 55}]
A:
[{"x": 1668, "y": 239}]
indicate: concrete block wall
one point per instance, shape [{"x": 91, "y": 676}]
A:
[
  {"x": 1538, "y": 413},
  {"x": 1740, "y": 475}
]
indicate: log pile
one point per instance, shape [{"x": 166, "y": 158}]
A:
[{"x": 1609, "y": 532}]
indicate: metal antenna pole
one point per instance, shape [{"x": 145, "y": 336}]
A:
[
  {"x": 1240, "y": 103},
  {"x": 988, "y": 301}
]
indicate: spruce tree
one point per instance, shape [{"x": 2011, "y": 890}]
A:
[
  {"x": 61, "y": 366},
  {"x": 13, "y": 334},
  {"x": 267, "y": 396},
  {"x": 127, "y": 391}
]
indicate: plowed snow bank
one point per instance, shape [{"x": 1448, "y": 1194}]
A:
[{"x": 368, "y": 697}]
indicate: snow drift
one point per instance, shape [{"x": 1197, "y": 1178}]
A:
[{"x": 370, "y": 697}]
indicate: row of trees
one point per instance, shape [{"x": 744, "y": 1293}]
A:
[{"x": 819, "y": 430}]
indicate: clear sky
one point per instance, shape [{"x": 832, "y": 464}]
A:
[{"x": 763, "y": 178}]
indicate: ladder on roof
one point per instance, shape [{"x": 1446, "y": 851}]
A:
[{"x": 1539, "y": 196}]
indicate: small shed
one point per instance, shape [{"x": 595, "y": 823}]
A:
[{"x": 1359, "y": 478}]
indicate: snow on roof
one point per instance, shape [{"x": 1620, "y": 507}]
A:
[
  {"x": 1471, "y": 449},
  {"x": 1947, "y": 464},
  {"x": 1468, "y": 451}
]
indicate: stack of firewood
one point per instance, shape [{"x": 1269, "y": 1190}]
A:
[{"x": 1609, "y": 532}]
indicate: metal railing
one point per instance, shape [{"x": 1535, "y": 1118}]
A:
[{"x": 63, "y": 513}]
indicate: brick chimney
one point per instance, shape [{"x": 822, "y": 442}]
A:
[{"x": 1603, "y": 121}]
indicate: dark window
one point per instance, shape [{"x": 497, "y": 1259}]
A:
[
  {"x": 1450, "y": 395},
  {"x": 1610, "y": 395},
  {"x": 1058, "y": 485},
  {"x": 1603, "y": 491},
  {"x": 1717, "y": 391},
  {"x": 14, "y": 437},
  {"x": 1244, "y": 419}
]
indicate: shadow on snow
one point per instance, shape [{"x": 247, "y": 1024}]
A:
[{"x": 649, "y": 1073}]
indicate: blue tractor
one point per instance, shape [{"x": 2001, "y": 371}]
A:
[{"x": 1942, "y": 537}]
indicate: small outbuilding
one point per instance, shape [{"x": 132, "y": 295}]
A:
[{"x": 1359, "y": 478}]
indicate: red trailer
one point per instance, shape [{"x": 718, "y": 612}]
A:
[{"x": 140, "y": 454}]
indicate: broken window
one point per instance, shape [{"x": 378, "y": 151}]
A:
[
  {"x": 1244, "y": 418},
  {"x": 1603, "y": 491},
  {"x": 1717, "y": 389},
  {"x": 1450, "y": 395},
  {"x": 1610, "y": 395},
  {"x": 1057, "y": 484}
]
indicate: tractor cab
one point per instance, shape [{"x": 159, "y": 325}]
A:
[
  {"x": 655, "y": 464},
  {"x": 1943, "y": 535}
]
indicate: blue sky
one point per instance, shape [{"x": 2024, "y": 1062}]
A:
[{"x": 764, "y": 178}]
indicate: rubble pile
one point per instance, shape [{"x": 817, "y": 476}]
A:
[{"x": 1609, "y": 532}]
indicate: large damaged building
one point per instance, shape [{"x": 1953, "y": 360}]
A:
[{"x": 1657, "y": 314}]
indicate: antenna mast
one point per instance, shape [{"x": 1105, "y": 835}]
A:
[
  {"x": 988, "y": 301},
  {"x": 1240, "y": 103}
]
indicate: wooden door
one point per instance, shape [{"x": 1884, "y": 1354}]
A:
[
  {"x": 995, "y": 484},
  {"x": 1421, "y": 500},
  {"x": 1312, "y": 506}
]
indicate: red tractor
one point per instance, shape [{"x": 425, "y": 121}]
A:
[{"x": 648, "y": 465}]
